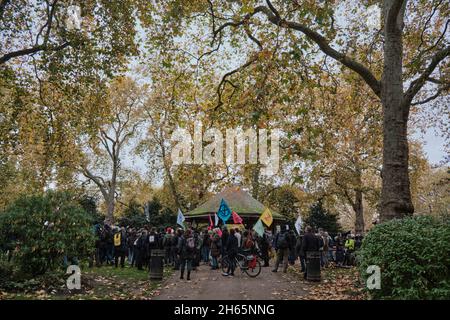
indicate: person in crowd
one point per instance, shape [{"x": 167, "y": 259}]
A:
[
  {"x": 231, "y": 249},
  {"x": 310, "y": 243},
  {"x": 206, "y": 246},
  {"x": 186, "y": 249},
  {"x": 281, "y": 244},
  {"x": 319, "y": 236},
  {"x": 141, "y": 246},
  {"x": 109, "y": 245},
  {"x": 215, "y": 250},
  {"x": 131, "y": 238},
  {"x": 339, "y": 244},
  {"x": 264, "y": 245},
  {"x": 299, "y": 253},
  {"x": 120, "y": 247},
  {"x": 248, "y": 244},
  {"x": 224, "y": 238},
  {"x": 349, "y": 248},
  {"x": 154, "y": 243},
  {"x": 97, "y": 253},
  {"x": 292, "y": 242},
  {"x": 175, "y": 253},
  {"x": 358, "y": 241},
  {"x": 197, "y": 250},
  {"x": 326, "y": 249},
  {"x": 167, "y": 245},
  {"x": 238, "y": 236}
]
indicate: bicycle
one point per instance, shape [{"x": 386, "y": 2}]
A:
[{"x": 249, "y": 264}]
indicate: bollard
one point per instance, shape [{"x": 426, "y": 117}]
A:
[
  {"x": 156, "y": 264},
  {"x": 313, "y": 265}
]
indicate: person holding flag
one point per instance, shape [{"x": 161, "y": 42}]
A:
[
  {"x": 180, "y": 219},
  {"x": 224, "y": 212}
]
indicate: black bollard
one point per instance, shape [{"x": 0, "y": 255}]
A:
[
  {"x": 313, "y": 265},
  {"x": 156, "y": 264}
]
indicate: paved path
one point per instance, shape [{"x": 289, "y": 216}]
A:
[{"x": 209, "y": 284}]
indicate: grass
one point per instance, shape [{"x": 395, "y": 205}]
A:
[{"x": 99, "y": 283}]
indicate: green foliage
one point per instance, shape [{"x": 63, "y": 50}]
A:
[
  {"x": 42, "y": 229},
  {"x": 414, "y": 257},
  {"x": 134, "y": 216},
  {"x": 89, "y": 204},
  {"x": 319, "y": 217}
]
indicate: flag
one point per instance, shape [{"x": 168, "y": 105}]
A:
[
  {"x": 180, "y": 219},
  {"x": 216, "y": 220},
  {"x": 236, "y": 218},
  {"x": 147, "y": 212},
  {"x": 298, "y": 224},
  {"x": 224, "y": 212},
  {"x": 259, "y": 228},
  {"x": 267, "y": 217},
  {"x": 211, "y": 226}
]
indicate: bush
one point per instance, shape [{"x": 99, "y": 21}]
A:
[
  {"x": 40, "y": 230},
  {"x": 413, "y": 255}
]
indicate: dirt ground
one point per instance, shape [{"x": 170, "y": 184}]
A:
[{"x": 209, "y": 284}]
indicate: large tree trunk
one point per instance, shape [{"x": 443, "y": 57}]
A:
[
  {"x": 396, "y": 196},
  {"x": 359, "y": 212},
  {"x": 110, "y": 203}
]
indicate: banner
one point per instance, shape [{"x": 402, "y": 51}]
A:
[
  {"x": 298, "y": 224},
  {"x": 224, "y": 212},
  {"x": 180, "y": 219},
  {"x": 259, "y": 228},
  {"x": 267, "y": 217},
  {"x": 236, "y": 218},
  {"x": 216, "y": 220},
  {"x": 211, "y": 226}
]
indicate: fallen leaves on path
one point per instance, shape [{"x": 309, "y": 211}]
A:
[{"x": 336, "y": 284}]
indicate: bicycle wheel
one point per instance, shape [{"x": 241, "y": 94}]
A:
[
  {"x": 224, "y": 263},
  {"x": 254, "y": 272}
]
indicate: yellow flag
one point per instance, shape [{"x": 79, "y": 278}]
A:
[{"x": 267, "y": 217}]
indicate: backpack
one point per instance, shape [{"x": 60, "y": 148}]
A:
[
  {"x": 190, "y": 244},
  {"x": 249, "y": 243},
  {"x": 282, "y": 242},
  {"x": 117, "y": 239}
]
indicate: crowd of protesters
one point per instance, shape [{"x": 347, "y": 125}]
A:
[{"x": 185, "y": 250}]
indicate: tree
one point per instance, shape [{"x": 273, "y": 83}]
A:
[
  {"x": 108, "y": 145},
  {"x": 415, "y": 59},
  {"x": 319, "y": 217}
]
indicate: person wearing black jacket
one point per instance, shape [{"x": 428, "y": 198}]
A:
[
  {"x": 141, "y": 249},
  {"x": 231, "y": 248},
  {"x": 186, "y": 248},
  {"x": 263, "y": 244},
  {"x": 298, "y": 252},
  {"x": 310, "y": 243}
]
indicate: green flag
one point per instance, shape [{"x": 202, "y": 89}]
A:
[{"x": 259, "y": 228}]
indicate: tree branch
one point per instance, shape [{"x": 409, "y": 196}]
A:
[
  {"x": 321, "y": 41},
  {"x": 23, "y": 52},
  {"x": 417, "y": 84}
]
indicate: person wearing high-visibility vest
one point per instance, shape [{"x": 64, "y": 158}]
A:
[{"x": 349, "y": 249}]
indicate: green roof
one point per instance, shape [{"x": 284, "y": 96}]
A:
[{"x": 238, "y": 200}]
